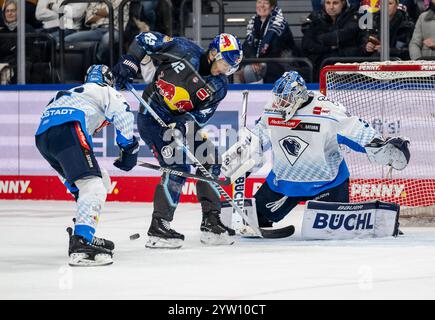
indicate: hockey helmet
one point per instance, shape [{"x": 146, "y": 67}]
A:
[
  {"x": 289, "y": 93},
  {"x": 229, "y": 49},
  {"x": 99, "y": 73}
]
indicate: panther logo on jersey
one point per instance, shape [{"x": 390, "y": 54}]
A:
[{"x": 293, "y": 147}]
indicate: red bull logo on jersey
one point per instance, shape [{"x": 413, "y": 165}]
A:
[{"x": 176, "y": 98}]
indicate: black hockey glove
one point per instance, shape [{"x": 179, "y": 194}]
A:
[
  {"x": 125, "y": 70},
  {"x": 128, "y": 156}
]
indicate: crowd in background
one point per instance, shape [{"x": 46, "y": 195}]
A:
[{"x": 335, "y": 28}]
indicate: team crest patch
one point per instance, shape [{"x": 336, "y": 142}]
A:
[{"x": 293, "y": 147}]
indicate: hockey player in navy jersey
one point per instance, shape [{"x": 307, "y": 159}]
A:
[
  {"x": 188, "y": 85},
  {"x": 305, "y": 131},
  {"x": 64, "y": 138}
]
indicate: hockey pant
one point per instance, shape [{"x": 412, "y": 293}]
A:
[
  {"x": 67, "y": 150},
  {"x": 168, "y": 191},
  {"x": 274, "y": 206}
]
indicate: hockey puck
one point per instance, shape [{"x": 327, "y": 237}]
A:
[{"x": 134, "y": 236}]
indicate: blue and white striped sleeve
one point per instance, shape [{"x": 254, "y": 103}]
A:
[
  {"x": 354, "y": 132},
  {"x": 118, "y": 112}
]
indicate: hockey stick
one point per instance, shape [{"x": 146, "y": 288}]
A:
[
  {"x": 266, "y": 233},
  {"x": 240, "y": 183},
  {"x": 183, "y": 174},
  {"x": 192, "y": 158}
]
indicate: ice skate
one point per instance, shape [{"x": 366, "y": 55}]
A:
[
  {"x": 84, "y": 254},
  {"x": 161, "y": 236},
  {"x": 96, "y": 241},
  {"x": 213, "y": 231}
]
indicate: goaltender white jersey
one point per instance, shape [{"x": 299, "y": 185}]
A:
[
  {"x": 94, "y": 106},
  {"x": 306, "y": 154}
]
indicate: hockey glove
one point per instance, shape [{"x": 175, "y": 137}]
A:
[
  {"x": 125, "y": 70},
  {"x": 393, "y": 152},
  {"x": 128, "y": 156}
]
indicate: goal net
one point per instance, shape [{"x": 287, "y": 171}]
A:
[{"x": 396, "y": 98}]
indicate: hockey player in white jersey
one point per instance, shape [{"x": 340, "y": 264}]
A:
[
  {"x": 64, "y": 138},
  {"x": 305, "y": 131}
]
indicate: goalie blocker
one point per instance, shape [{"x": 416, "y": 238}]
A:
[{"x": 337, "y": 221}]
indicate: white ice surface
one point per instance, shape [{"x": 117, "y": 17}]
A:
[{"x": 34, "y": 243}]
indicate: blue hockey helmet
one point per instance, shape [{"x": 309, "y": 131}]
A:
[
  {"x": 99, "y": 73},
  {"x": 289, "y": 93},
  {"x": 229, "y": 49}
]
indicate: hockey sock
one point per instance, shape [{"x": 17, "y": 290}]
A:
[{"x": 89, "y": 205}]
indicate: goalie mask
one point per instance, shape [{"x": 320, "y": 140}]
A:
[
  {"x": 100, "y": 74},
  {"x": 289, "y": 93}
]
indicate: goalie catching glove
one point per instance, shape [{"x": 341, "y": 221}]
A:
[
  {"x": 242, "y": 156},
  {"x": 392, "y": 151}
]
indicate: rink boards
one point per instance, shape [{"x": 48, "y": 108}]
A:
[{"x": 25, "y": 175}]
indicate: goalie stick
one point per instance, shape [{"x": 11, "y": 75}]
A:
[
  {"x": 239, "y": 185},
  {"x": 268, "y": 233}
]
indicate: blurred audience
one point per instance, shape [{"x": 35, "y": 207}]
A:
[
  {"x": 97, "y": 18},
  {"x": 268, "y": 36},
  {"x": 30, "y": 14},
  {"x": 47, "y": 11},
  {"x": 8, "y": 43},
  {"x": 331, "y": 32},
  {"x": 401, "y": 28},
  {"x": 423, "y": 40},
  {"x": 317, "y": 4}
]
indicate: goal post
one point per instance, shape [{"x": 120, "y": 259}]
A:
[{"x": 397, "y": 99}]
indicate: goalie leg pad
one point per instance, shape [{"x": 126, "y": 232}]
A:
[{"x": 338, "y": 220}]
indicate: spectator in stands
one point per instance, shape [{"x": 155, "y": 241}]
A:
[
  {"x": 411, "y": 7},
  {"x": 8, "y": 44},
  {"x": 268, "y": 36},
  {"x": 331, "y": 32},
  {"x": 423, "y": 40},
  {"x": 97, "y": 18},
  {"x": 408, "y": 6},
  {"x": 47, "y": 11},
  {"x": 148, "y": 12},
  {"x": 401, "y": 28},
  {"x": 30, "y": 14},
  {"x": 317, "y": 4}
]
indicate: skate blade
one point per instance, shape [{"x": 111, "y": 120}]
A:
[
  {"x": 160, "y": 243},
  {"x": 213, "y": 239},
  {"x": 81, "y": 260}
]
